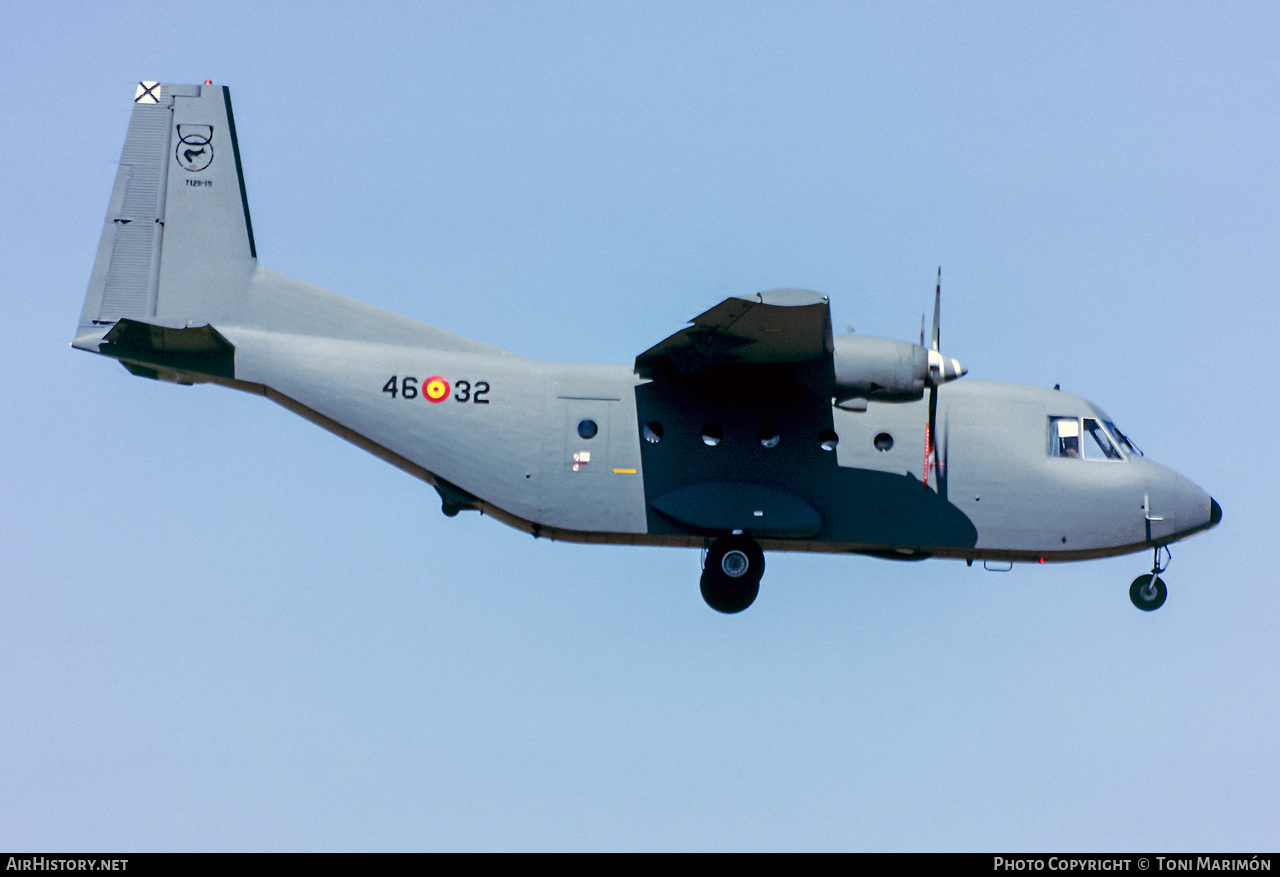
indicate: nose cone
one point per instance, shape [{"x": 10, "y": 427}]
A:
[{"x": 1196, "y": 509}]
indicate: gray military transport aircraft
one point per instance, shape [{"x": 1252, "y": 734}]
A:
[{"x": 754, "y": 428}]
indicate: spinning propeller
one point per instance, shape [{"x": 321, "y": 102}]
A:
[{"x": 941, "y": 370}]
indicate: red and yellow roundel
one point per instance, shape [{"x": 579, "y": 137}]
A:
[{"x": 436, "y": 389}]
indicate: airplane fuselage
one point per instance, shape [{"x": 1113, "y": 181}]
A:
[{"x": 506, "y": 433}]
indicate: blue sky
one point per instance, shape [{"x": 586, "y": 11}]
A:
[{"x": 223, "y": 628}]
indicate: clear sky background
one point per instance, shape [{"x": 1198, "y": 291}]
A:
[{"x": 224, "y": 628}]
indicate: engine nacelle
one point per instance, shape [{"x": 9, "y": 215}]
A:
[{"x": 885, "y": 370}]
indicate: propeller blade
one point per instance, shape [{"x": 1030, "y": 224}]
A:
[
  {"x": 941, "y": 368},
  {"x": 931, "y": 427},
  {"x": 937, "y": 307}
]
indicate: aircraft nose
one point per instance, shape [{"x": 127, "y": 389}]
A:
[{"x": 1197, "y": 510}]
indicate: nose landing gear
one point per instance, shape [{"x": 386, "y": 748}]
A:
[
  {"x": 731, "y": 573},
  {"x": 1148, "y": 592}
]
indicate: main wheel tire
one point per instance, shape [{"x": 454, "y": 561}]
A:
[
  {"x": 731, "y": 577},
  {"x": 1148, "y": 593},
  {"x": 728, "y": 595}
]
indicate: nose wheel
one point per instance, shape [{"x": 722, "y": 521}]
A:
[
  {"x": 731, "y": 573},
  {"x": 1148, "y": 592}
]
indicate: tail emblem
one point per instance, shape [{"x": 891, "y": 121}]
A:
[{"x": 195, "y": 147}]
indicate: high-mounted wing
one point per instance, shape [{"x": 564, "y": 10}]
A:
[
  {"x": 777, "y": 327},
  {"x": 789, "y": 331}
]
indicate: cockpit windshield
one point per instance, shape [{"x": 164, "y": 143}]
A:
[
  {"x": 1098, "y": 445},
  {"x": 1082, "y": 438},
  {"x": 1123, "y": 439}
]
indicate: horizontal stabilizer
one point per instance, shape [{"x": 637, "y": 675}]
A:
[
  {"x": 130, "y": 335},
  {"x": 174, "y": 354}
]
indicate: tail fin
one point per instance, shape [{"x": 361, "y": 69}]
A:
[
  {"x": 177, "y": 246},
  {"x": 177, "y": 273}
]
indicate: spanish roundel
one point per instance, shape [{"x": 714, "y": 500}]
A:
[{"x": 436, "y": 389}]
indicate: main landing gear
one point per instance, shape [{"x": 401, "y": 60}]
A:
[
  {"x": 1148, "y": 592},
  {"x": 731, "y": 573}
]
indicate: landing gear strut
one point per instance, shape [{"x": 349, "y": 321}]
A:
[
  {"x": 731, "y": 573},
  {"x": 1148, "y": 592}
]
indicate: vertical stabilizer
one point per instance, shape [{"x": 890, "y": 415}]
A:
[{"x": 177, "y": 246}]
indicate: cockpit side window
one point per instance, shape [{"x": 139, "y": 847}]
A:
[{"x": 1064, "y": 437}]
